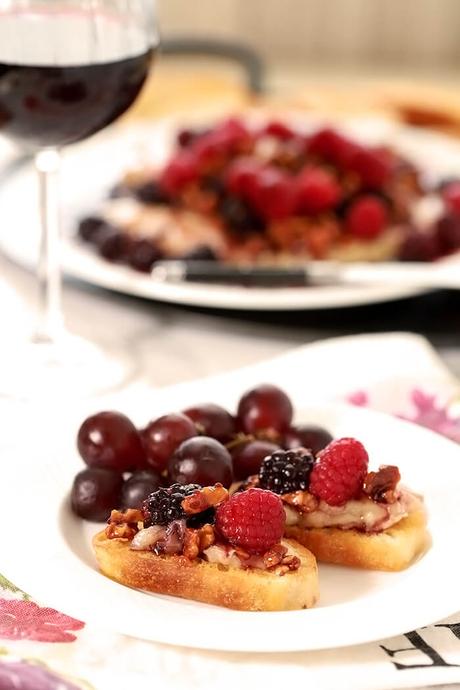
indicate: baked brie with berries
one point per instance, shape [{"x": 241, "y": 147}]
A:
[
  {"x": 201, "y": 544},
  {"x": 342, "y": 512},
  {"x": 267, "y": 192}
]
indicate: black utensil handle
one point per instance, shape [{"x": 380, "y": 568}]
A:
[
  {"x": 244, "y": 55},
  {"x": 258, "y": 276}
]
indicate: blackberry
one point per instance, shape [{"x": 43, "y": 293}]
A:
[
  {"x": 164, "y": 505},
  {"x": 144, "y": 253},
  {"x": 150, "y": 193},
  {"x": 238, "y": 216},
  {"x": 89, "y": 227},
  {"x": 112, "y": 244},
  {"x": 285, "y": 471},
  {"x": 214, "y": 184}
]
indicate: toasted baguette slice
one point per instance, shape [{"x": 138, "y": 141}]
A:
[
  {"x": 246, "y": 590},
  {"x": 393, "y": 549}
]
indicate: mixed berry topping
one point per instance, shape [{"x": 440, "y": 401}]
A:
[
  {"x": 275, "y": 189},
  {"x": 252, "y": 520},
  {"x": 286, "y": 471},
  {"x": 339, "y": 473}
]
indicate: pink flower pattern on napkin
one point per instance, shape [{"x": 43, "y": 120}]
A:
[
  {"x": 25, "y": 620},
  {"x": 432, "y": 415},
  {"x": 427, "y": 412}
]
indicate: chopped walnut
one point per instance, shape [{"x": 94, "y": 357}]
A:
[
  {"x": 206, "y": 537},
  {"x": 130, "y": 516},
  {"x": 242, "y": 554},
  {"x": 274, "y": 556},
  {"x": 203, "y": 499},
  {"x": 197, "y": 540},
  {"x": 277, "y": 560},
  {"x": 123, "y": 525},
  {"x": 191, "y": 547},
  {"x": 381, "y": 485},
  {"x": 291, "y": 561},
  {"x": 120, "y": 531},
  {"x": 303, "y": 501}
]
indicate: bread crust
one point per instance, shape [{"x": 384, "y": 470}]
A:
[
  {"x": 393, "y": 549},
  {"x": 246, "y": 590}
]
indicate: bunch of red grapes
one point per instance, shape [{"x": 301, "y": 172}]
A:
[{"x": 202, "y": 445}]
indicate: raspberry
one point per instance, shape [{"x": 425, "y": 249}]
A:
[
  {"x": 317, "y": 190},
  {"x": 285, "y": 471},
  {"x": 279, "y": 130},
  {"x": 451, "y": 196},
  {"x": 275, "y": 194},
  {"x": 180, "y": 171},
  {"x": 233, "y": 133},
  {"x": 373, "y": 166},
  {"x": 241, "y": 177},
  {"x": 339, "y": 473},
  {"x": 333, "y": 146},
  {"x": 325, "y": 142},
  {"x": 253, "y": 520},
  {"x": 213, "y": 147},
  {"x": 165, "y": 505},
  {"x": 367, "y": 217}
]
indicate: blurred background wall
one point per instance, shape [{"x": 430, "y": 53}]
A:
[{"x": 409, "y": 35}]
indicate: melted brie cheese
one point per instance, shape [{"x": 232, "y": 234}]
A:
[{"x": 363, "y": 514}]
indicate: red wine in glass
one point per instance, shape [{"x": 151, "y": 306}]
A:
[
  {"x": 65, "y": 86},
  {"x": 68, "y": 68}
]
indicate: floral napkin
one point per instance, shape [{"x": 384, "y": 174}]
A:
[{"x": 43, "y": 649}]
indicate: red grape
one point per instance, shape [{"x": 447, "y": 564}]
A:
[
  {"x": 109, "y": 440},
  {"x": 201, "y": 460},
  {"x": 162, "y": 436},
  {"x": 212, "y": 420},
  {"x": 95, "y": 492},
  {"x": 138, "y": 487},
  {"x": 247, "y": 457},
  {"x": 307, "y": 436},
  {"x": 263, "y": 408}
]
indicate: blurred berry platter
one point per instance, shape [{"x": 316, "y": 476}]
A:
[
  {"x": 65, "y": 575},
  {"x": 93, "y": 169}
]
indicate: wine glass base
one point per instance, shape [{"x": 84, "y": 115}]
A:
[{"x": 71, "y": 367}]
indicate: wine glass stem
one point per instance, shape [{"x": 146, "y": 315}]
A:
[{"x": 50, "y": 319}]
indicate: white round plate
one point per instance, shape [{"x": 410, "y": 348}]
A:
[
  {"x": 47, "y": 552},
  {"x": 94, "y": 167}
]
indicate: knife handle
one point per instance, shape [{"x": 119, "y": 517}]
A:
[{"x": 212, "y": 272}]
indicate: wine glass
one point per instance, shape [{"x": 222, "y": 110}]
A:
[{"x": 68, "y": 68}]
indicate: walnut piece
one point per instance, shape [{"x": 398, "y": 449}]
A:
[
  {"x": 303, "y": 501},
  {"x": 120, "y": 531},
  {"x": 130, "y": 516},
  {"x": 242, "y": 554},
  {"x": 197, "y": 540},
  {"x": 274, "y": 556},
  {"x": 191, "y": 544},
  {"x": 206, "y": 537},
  {"x": 123, "y": 525},
  {"x": 291, "y": 561},
  {"x": 205, "y": 498},
  {"x": 381, "y": 485}
]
